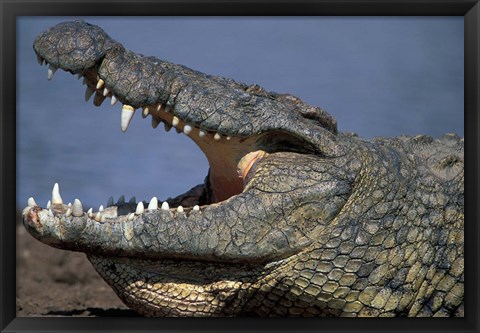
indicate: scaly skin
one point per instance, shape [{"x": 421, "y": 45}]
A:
[{"x": 298, "y": 220}]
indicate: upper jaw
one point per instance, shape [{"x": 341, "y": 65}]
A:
[{"x": 211, "y": 104}]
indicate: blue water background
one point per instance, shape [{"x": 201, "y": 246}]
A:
[{"x": 378, "y": 76}]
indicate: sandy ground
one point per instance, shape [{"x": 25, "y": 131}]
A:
[{"x": 52, "y": 282}]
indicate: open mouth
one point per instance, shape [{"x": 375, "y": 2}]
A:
[{"x": 233, "y": 159}]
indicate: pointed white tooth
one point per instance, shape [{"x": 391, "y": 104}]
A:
[
  {"x": 132, "y": 200},
  {"x": 121, "y": 200},
  {"x": 69, "y": 205},
  {"x": 187, "y": 129},
  {"x": 114, "y": 100},
  {"x": 165, "y": 206},
  {"x": 50, "y": 212},
  {"x": 110, "y": 202},
  {"x": 101, "y": 209},
  {"x": 77, "y": 209},
  {"x": 88, "y": 93},
  {"x": 140, "y": 209},
  {"x": 106, "y": 91},
  {"x": 31, "y": 202},
  {"x": 217, "y": 137},
  {"x": 90, "y": 212},
  {"x": 100, "y": 84},
  {"x": 68, "y": 212},
  {"x": 127, "y": 114},
  {"x": 229, "y": 138},
  {"x": 51, "y": 71},
  {"x": 98, "y": 217},
  {"x": 145, "y": 112},
  {"x": 175, "y": 121},
  {"x": 159, "y": 107},
  {"x": 180, "y": 209},
  {"x": 130, "y": 216},
  {"x": 201, "y": 133},
  {"x": 56, "y": 198},
  {"x": 49, "y": 204},
  {"x": 40, "y": 60},
  {"x": 153, "y": 204},
  {"x": 196, "y": 208},
  {"x": 155, "y": 122},
  {"x": 167, "y": 127}
]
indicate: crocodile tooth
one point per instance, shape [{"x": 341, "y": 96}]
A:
[
  {"x": 121, "y": 200},
  {"x": 101, "y": 209},
  {"x": 68, "y": 212},
  {"x": 145, "y": 112},
  {"x": 187, "y": 129},
  {"x": 155, "y": 122},
  {"x": 196, "y": 208},
  {"x": 50, "y": 212},
  {"x": 49, "y": 204},
  {"x": 159, "y": 107},
  {"x": 69, "y": 205},
  {"x": 127, "y": 114},
  {"x": 201, "y": 133},
  {"x": 90, "y": 212},
  {"x": 132, "y": 200},
  {"x": 88, "y": 93},
  {"x": 77, "y": 209},
  {"x": 180, "y": 209},
  {"x": 56, "y": 198},
  {"x": 228, "y": 138},
  {"x": 100, "y": 84},
  {"x": 165, "y": 206},
  {"x": 110, "y": 202},
  {"x": 114, "y": 100},
  {"x": 40, "y": 60},
  {"x": 106, "y": 91},
  {"x": 175, "y": 121},
  {"x": 168, "y": 127},
  {"x": 98, "y": 217},
  {"x": 51, "y": 71},
  {"x": 153, "y": 204},
  {"x": 130, "y": 216},
  {"x": 140, "y": 209},
  {"x": 217, "y": 137},
  {"x": 31, "y": 202}
]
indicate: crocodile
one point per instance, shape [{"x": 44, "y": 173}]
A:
[{"x": 294, "y": 218}]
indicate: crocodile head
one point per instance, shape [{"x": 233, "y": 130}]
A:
[{"x": 278, "y": 177}]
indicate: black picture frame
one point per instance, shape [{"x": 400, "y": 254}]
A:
[{"x": 10, "y": 10}]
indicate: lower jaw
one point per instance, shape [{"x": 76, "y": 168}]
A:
[{"x": 167, "y": 288}]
